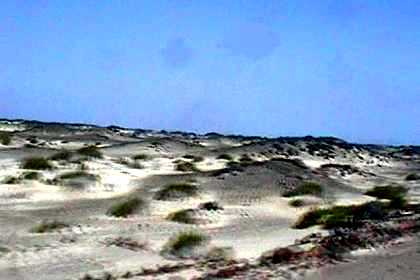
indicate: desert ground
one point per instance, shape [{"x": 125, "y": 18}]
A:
[{"x": 87, "y": 202}]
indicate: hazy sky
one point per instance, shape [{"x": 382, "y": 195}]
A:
[{"x": 344, "y": 68}]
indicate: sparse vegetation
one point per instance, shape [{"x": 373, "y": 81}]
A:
[
  {"x": 36, "y": 163},
  {"x": 412, "y": 177},
  {"x": 90, "y": 151},
  {"x": 48, "y": 226},
  {"x": 394, "y": 193},
  {"x": 184, "y": 240},
  {"x": 342, "y": 216},
  {"x": 185, "y": 166},
  {"x": 184, "y": 216},
  {"x": 126, "y": 207},
  {"x": 5, "y": 138},
  {"x": 177, "y": 190},
  {"x": 210, "y": 206},
  {"x": 225, "y": 157},
  {"x": 297, "y": 202},
  {"x": 140, "y": 157},
  {"x": 76, "y": 175},
  {"x": 306, "y": 188},
  {"x": 31, "y": 175},
  {"x": 193, "y": 158},
  {"x": 11, "y": 180},
  {"x": 62, "y": 155}
]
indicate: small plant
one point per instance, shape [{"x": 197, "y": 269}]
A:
[
  {"x": 31, "y": 175},
  {"x": 185, "y": 166},
  {"x": 412, "y": 177},
  {"x": 184, "y": 240},
  {"x": 125, "y": 208},
  {"x": 5, "y": 138},
  {"x": 90, "y": 151},
  {"x": 47, "y": 226},
  {"x": 193, "y": 158},
  {"x": 77, "y": 175},
  {"x": 225, "y": 157},
  {"x": 36, "y": 163},
  {"x": 246, "y": 159},
  {"x": 306, "y": 188},
  {"x": 210, "y": 206},
  {"x": 174, "y": 191},
  {"x": 62, "y": 155},
  {"x": 297, "y": 203},
  {"x": 11, "y": 180},
  {"x": 390, "y": 192},
  {"x": 342, "y": 216},
  {"x": 184, "y": 216},
  {"x": 140, "y": 157}
]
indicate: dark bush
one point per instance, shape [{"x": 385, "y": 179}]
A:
[
  {"x": 11, "y": 180},
  {"x": 46, "y": 226},
  {"x": 126, "y": 208},
  {"x": 140, "y": 157},
  {"x": 90, "y": 151},
  {"x": 412, "y": 177},
  {"x": 174, "y": 191},
  {"x": 387, "y": 192},
  {"x": 210, "y": 206},
  {"x": 184, "y": 240},
  {"x": 36, "y": 163},
  {"x": 306, "y": 188},
  {"x": 5, "y": 138},
  {"x": 182, "y": 216},
  {"x": 31, "y": 175},
  {"x": 225, "y": 157},
  {"x": 297, "y": 203},
  {"x": 186, "y": 167},
  {"x": 62, "y": 155}
]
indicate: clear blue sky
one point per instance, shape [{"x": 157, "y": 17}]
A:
[{"x": 350, "y": 69}]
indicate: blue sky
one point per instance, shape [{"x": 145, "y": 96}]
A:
[{"x": 349, "y": 69}]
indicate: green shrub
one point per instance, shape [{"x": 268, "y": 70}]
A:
[
  {"x": 182, "y": 216},
  {"x": 32, "y": 175},
  {"x": 306, "y": 188},
  {"x": 90, "y": 151},
  {"x": 387, "y": 192},
  {"x": 140, "y": 157},
  {"x": 225, "y": 157},
  {"x": 62, "y": 155},
  {"x": 412, "y": 177},
  {"x": 342, "y": 216},
  {"x": 5, "y": 138},
  {"x": 11, "y": 180},
  {"x": 297, "y": 203},
  {"x": 36, "y": 163},
  {"x": 184, "y": 240},
  {"x": 46, "y": 226},
  {"x": 245, "y": 158},
  {"x": 210, "y": 206},
  {"x": 185, "y": 166},
  {"x": 177, "y": 190},
  {"x": 77, "y": 175},
  {"x": 193, "y": 158},
  {"x": 125, "y": 208}
]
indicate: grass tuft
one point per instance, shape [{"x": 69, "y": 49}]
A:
[
  {"x": 47, "y": 226},
  {"x": 225, "y": 157},
  {"x": 140, "y": 157},
  {"x": 193, "y": 157},
  {"x": 11, "y": 180},
  {"x": 306, "y": 188},
  {"x": 185, "y": 166},
  {"x": 297, "y": 203},
  {"x": 342, "y": 216},
  {"x": 62, "y": 155},
  {"x": 31, "y": 175},
  {"x": 5, "y": 138},
  {"x": 90, "y": 151},
  {"x": 390, "y": 192},
  {"x": 36, "y": 163},
  {"x": 177, "y": 190},
  {"x": 185, "y": 240},
  {"x": 184, "y": 216},
  {"x": 125, "y": 208},
  {"x": 412, "y": 177}
]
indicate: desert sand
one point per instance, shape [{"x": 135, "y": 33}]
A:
[{"x": 248, "y": 184}]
